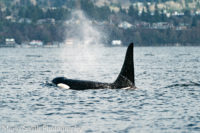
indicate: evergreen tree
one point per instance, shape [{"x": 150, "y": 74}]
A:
[
  {"x": 156, "y": 14},
  {"x": 32, "y": 12},
  {"x": 163, "y": 16},
  {"x": 132, "y": 12},
  {"x": 122, "y": 11},
  {"x": 194, "y": 22}
]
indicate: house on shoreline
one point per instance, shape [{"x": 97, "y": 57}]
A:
[{"x": 9, "y": 42}]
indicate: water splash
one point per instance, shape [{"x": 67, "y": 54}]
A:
[
  {"x": 84, "y": 42},
  {"x": 81, "y": 31}
]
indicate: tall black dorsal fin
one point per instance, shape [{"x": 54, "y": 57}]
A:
[{"x": 126, "y": 77}]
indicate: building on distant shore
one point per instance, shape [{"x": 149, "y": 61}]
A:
[
  {"x": 36, "y": 43},
  {"x": 125, "y": 25},
  {"x": 69, "y": 42},
  {"x": 25, "y": 20},
  {"x": 116, "y": 42},
  {"x": 162, "y": 25},
  {"x": 46, "y": 21},
  {"x": 9, "y": 42}
]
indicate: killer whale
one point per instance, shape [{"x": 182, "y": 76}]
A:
[{"x": 125, "y": 79}]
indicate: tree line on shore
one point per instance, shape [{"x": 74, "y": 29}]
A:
[{"x": 49, "y": 32}]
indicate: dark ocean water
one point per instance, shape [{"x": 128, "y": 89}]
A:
[{"x": 167, "y": 98}]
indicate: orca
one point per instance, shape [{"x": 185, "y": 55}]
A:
[{"x": 125, "y": 79}]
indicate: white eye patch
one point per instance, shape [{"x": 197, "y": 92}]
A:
[{"x": 61, "y": 85}]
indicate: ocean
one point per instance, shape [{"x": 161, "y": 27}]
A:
[{"x": 167, "y": 98}]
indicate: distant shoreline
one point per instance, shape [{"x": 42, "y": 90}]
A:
[{"x": 136, "y": 45}]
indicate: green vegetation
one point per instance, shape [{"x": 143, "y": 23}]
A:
[{"x": 44, "y": 20}]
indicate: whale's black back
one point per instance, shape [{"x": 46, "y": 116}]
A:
[{"x": 124, "y": 79}]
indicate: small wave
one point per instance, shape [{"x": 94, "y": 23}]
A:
[
  {"x": 49, "y": 84},
  {"x": 33, "y": 56},
  {"x": 183, "y": 85},
  {"x": 181, "y": 55},
  {"x": 149, "y": 54}
]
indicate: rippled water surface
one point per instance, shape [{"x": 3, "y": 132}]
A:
[{"x": 167, "y": 98}]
